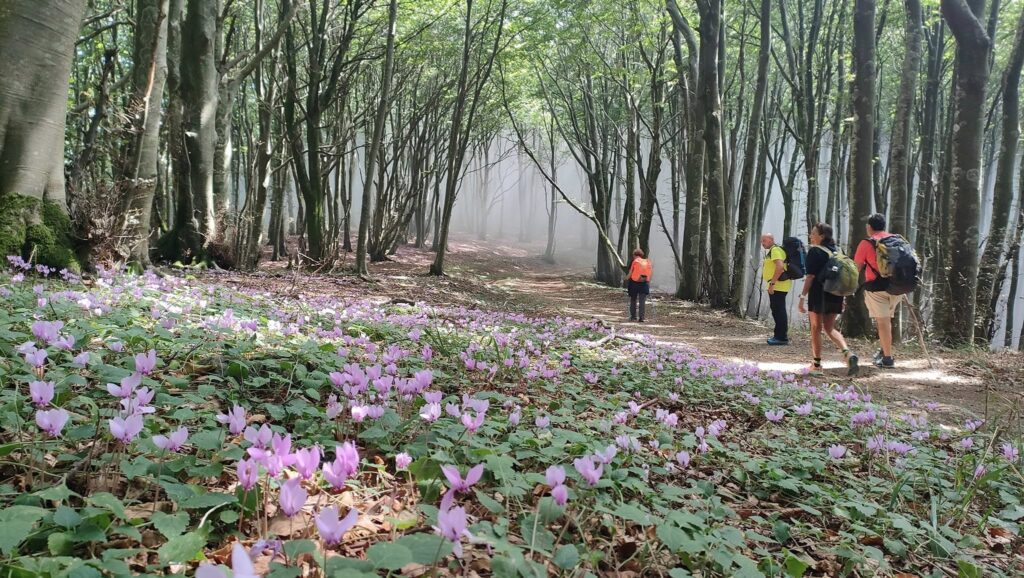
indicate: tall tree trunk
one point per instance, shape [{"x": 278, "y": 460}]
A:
[
  {"x": 369, "y": 192},
  {"x": 148, "y": 76},
  {"x": 990, "y": 277},
  {"x": 37, "y": 40},
  {"x": 739, "y": 278},
  {"x": 710, "y": 21},
  {"x": 855, "y": 320},
  {"x": 899, "y": 150},
  {"x": 199, "y": 92},
  {"x": 972, "y": 50}
]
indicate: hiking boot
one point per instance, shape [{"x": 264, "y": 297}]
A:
[
  {"x": 851, "y": 362},
  {"x": 885, "y": 363},
  {"x": 878, "y": 357},
  {"x": 641, "y": 320},
  {"x": 632, "y": 319},
  {"x": 776, "y": 341}
]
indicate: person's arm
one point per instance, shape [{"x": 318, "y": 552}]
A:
[{"x": 861, "y": 257}]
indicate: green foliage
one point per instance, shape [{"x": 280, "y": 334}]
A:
[{"x": 37, "y": 229}]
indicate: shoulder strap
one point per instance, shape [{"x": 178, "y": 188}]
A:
[{"x": 822, "y": 247}]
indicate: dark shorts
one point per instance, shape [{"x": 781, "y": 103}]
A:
[{"x": 818, "y": 301}]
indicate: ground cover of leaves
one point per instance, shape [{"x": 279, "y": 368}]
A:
[{"x": 176, "y": 426}]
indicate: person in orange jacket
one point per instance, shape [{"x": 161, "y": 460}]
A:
[{"x": 638, "y": 284}]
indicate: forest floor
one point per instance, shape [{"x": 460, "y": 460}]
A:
[{"x": 492, "y": 275}]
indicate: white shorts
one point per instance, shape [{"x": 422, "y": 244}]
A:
[{"x": 881, "y": 304}]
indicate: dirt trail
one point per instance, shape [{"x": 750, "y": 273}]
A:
[{"x": 496, "y": 276}]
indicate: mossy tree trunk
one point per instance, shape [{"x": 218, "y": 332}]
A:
[{"x": 37, "y": 39}]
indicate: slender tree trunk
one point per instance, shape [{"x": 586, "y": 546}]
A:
[
  {"x": 901, "y": 139},
  {"x": 710, "y": 21},
  {"x": 148, "y": 76},
  {"x": 972, "y": 50},
  {"x": 990, "y": 275},
  {"x": 362, "y": 243},
  {"x": 739, "y": 278},
  {"x": 855, "y": 320}
]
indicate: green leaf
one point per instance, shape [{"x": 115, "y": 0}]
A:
[
  {"x": 55, "y": 493},
  {"x": 672, "y": 537},
  {"x": 426, "y": 549},
  {"x": 488, "y": 502},
  {"x": 59, "y": 544},
  {"x": 295, "y": 548},
  {"x": 389, "y": 556},
  {"x": 109, "y": 502},
  {"x": 182, "y": 548},
  {"x": 170, "y": 525},
  {"x": 795, "y": 567},
  {"x": 136, "y": 468},
  {"x": 281, "y": 571},
  {"x": 967, "y": 570},
  {"x": 634, "y": 514},
  {"x": 207, "y": 500},
  {"x": 567, "y": 557},
  {"x": 66, "y": 517},
  {"x": 12, "y": 533},
  {"x": 208, "y": 439}
]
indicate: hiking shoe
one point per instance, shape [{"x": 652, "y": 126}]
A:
[
  {"x": 851, "y": 362},
  {"x": 774, "y": 341},
  {"x": 815, "y": 370},
  {"x": 885, "y": 363},
  {"x": 878, "y": 356},
  {"x": 631, "y": 319}
]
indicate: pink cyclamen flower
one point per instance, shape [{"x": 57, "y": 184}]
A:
[
  {"x": 683, "y": 458},
  {"x": 259, "y": 437},
  {"x": 967, "y": 443},
  {"x": 241, "y": 566},
  {"x": 979, "y": 471},
  {"x": 402, "y": 461},
  {"x": 345, "y": 464},
  {"x": 235, "y": 419},
  {"x": 293, "y": 497},
  {"x": 52, "y": 421},
  {"x": 36, "y": 358},
  {"x": 248, "y": 473},
  {"x": 473, "y": 423},
  {"x": 451, "y": 524},
  {"x": 542, "y": 422},
  {"x": 307, "y": 461},
  {"x": 774, "y": 416},
  {"x": 590, "y": 471},
  {"x": 331, "y": 528},
  {"x": 431, "y": 412},
  {"x": 81, "y": 360},
  {"x": 607, "y": 454},
  {"x": 41, "y": 392},
  {"x": 125, "y": 429},
  {"x": 116, "y": 346},
  {"x": 555, "y": 476},
  {"x": 804, "y": 409},
  {"x": 457, "y": 482},
  {"x": 1010, "y": 453},
  {"x": 837, "y": 451},
  {"x": 514, "y": 417},
  {"x": 126, "y": 387},
  {"x": 173, "y": 442},
  {"x": 560, "y": 494},
  {"x": 145, "y": 363}
]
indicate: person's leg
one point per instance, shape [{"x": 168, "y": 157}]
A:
[
  {"x": 643, "y": 305},
  {"x": 829, "y": 323},
  {"x": 815, "y": 320},
  {"x": 777, "y": 300},
  {"x": 884, "y": 325},
  {"x": 632, "y": 306}
]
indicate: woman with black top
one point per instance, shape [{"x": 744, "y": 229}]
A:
[{"x": 823, "y": 306}]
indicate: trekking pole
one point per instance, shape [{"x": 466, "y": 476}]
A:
[{"x": 920, "y": 331}]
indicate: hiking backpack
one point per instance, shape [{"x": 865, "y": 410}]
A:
[
  {"x": 841, "y": 276},
  {"x": 796, "y": 259},
  {"x": 898, "y": 263}
]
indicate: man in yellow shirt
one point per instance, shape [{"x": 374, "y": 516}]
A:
[{"x": 774, "y": 266}]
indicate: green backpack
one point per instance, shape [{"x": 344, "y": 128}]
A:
[{"x": 841, "y": 276}]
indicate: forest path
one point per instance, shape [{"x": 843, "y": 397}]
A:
[{"x": 493, "y": 275}]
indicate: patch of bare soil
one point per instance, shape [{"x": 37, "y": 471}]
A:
[{"x": 491, "y": 275}]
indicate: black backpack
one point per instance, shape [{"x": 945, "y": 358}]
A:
[
  {"x": 796, "y": 259},
  {"x": 897, "y": 264}
]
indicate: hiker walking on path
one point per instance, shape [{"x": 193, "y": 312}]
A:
[
  {"x": 778, "y": 288},
  {"x": 638, "y": 284},
  {"x": 890, "y": 271},
  {"x": 823, "y": 306}
]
